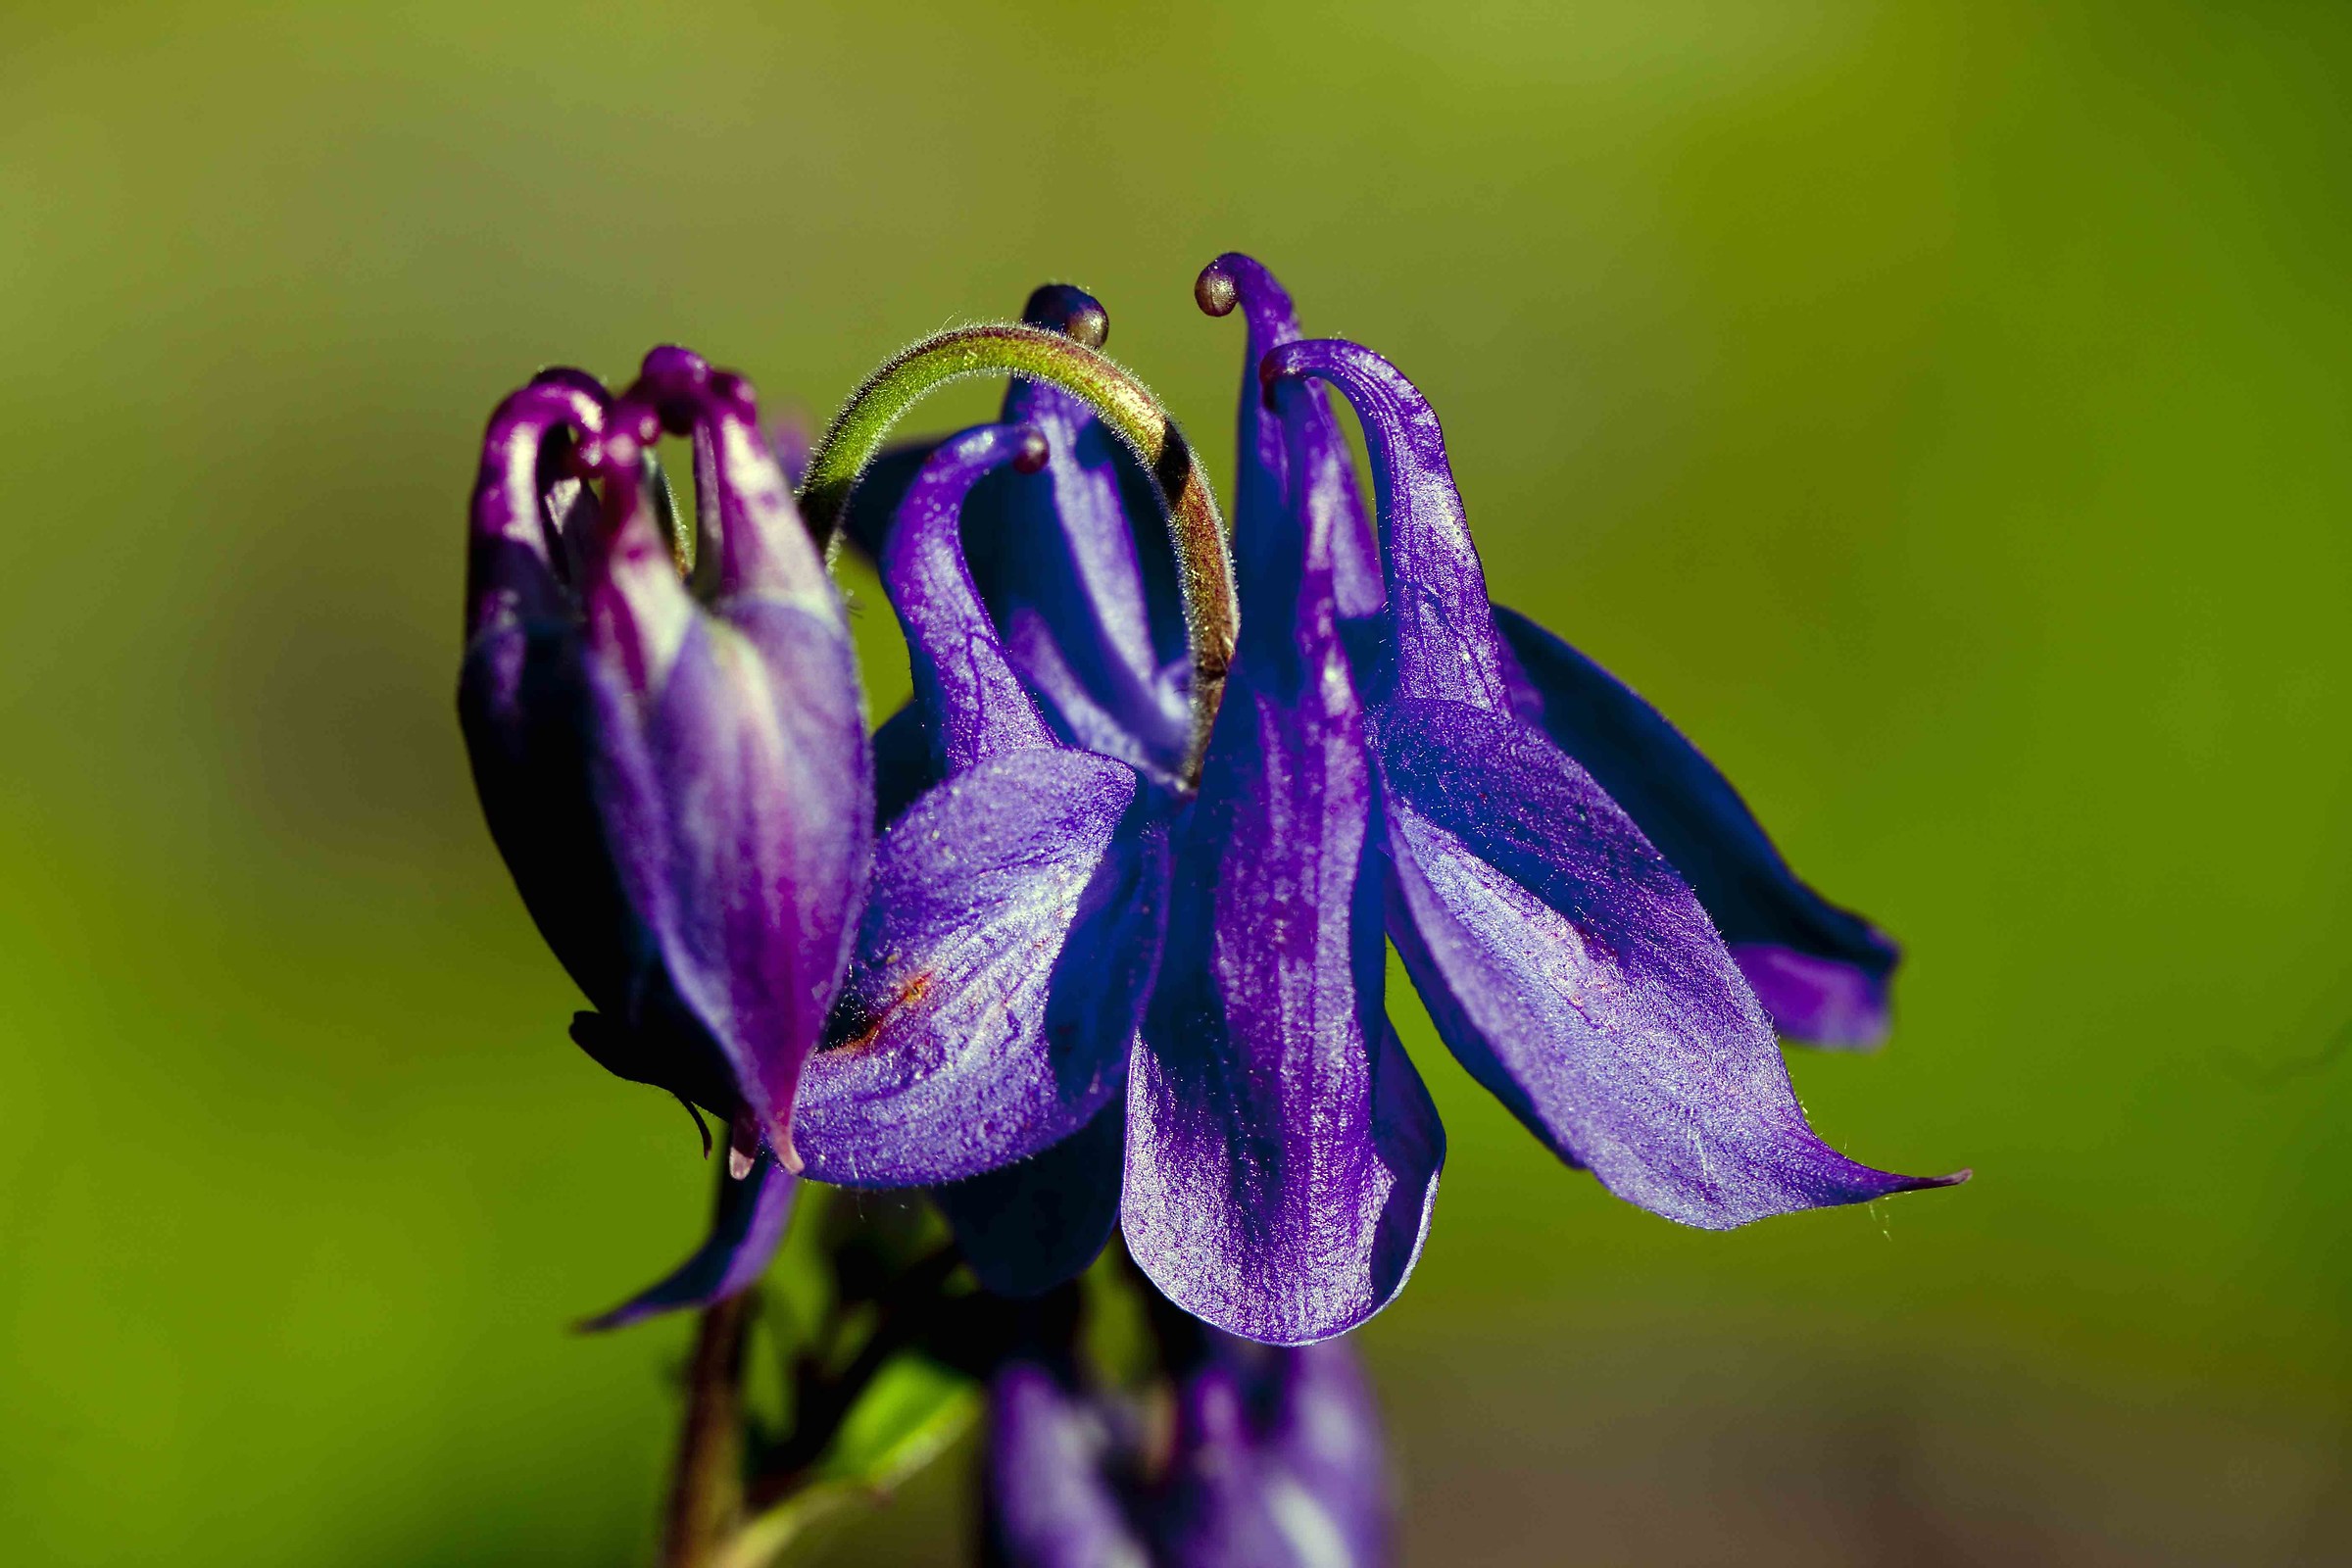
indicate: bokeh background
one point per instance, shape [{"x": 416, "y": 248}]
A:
[{"x": 1941, "y": 409}]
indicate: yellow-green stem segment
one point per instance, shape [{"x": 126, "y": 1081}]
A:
[{"x": 1204, "y": 556}]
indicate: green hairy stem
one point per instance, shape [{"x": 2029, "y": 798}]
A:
[{"x": 1204, "y": 560}]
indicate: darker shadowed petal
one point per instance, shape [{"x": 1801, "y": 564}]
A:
[
  {"x": 752, "y": 1214},
  {"x": 906, "y": 762},
  {"x": 1030, "y": 1226},
  {"x": 1007, "y": 947},
  {"x": 524, "y": 696},
  {"x": 1820, "y": 971}
]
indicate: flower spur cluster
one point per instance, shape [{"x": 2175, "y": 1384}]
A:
[{"x": 1094, "y": 939}]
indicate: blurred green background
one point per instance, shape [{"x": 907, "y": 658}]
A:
[{"x": 1941, "y": 410}]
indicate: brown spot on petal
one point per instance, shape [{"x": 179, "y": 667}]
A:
[{"x": 914, "y": 991}]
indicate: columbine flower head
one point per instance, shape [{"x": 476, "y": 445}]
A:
[
  {"x": 1385, "y": 766},
  {"x": 669, "y": 746}
]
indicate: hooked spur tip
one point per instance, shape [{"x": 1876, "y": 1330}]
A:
[
  {"x": 1032, "y": 451},
  {"x": 1214, "y": 291},
  {"x": 629, "y": 429},
  {"x": 1071, "y": 311}
]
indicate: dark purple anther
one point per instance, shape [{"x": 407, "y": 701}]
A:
[{"x": 679, "y": 780}]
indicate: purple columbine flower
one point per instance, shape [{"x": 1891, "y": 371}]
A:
[
  {"x": 675, "y": 771},
  {"x": 1276, "y": 1462}
]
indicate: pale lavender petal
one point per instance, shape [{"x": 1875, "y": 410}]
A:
[
  {"x": 1292, "y": 460},
  {"x": 1007, "y": 952}
]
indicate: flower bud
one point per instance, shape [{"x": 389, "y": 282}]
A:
[{"x": 678, "y": 777}]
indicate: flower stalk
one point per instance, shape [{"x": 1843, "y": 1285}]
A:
[{"x": 706, "y": 1496}]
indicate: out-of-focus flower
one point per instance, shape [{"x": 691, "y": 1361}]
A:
[
  {"x": 675, "y": 768},
  {"x": 1275, "y": 1462}
]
